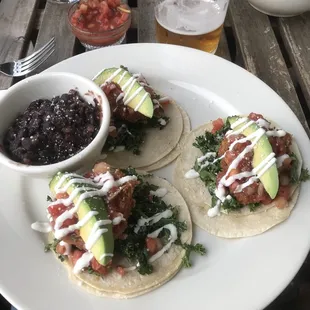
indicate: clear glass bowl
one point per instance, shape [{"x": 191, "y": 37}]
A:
[{"x": 93, "y": 40}]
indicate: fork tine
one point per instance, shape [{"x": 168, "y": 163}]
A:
[
  {"x": 37, "y": 59},
  {"x": 50, "y": 42},
  {"x": 33, "y": 67}
]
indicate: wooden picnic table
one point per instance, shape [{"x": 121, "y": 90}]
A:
[{"x": 277, "y": 50}]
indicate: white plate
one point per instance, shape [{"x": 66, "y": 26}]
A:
[{"x": 236, "y": 274}]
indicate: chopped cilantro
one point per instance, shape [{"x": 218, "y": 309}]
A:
[
  {"x": 191, "y": 248},
  {"x": 132, "y": 135},
  {"x": 210, "y": 142},
  {"x": 253, "y": 206},
  {"x": 305, "y": 175},
  {"x": 134, "y": 246},
  {"x": 61, "y": 257},
  {"x": 51, "y": 246},
  {"x": 90, "y": 270},
  {"x": 124, "y": 68},
  {"x": 232, "y": 204},
  {"x": 294, "y": 177}
]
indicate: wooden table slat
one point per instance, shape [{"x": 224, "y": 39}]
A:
[
  {"x": 255, "y": 37},
  {"x": 16, "y": 19},
  {"x": 146, "y": 30},
  {"x": 54, "y": 24},
  {"x": 295, "y": 34}
]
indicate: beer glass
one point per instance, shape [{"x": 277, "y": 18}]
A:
[{"x": 193, "y": 23}]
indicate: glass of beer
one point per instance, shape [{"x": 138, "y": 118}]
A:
[{"x": 193, "y": 23}]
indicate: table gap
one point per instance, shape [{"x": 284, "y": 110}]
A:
[
  {"x": 132, "y": 35},
  {"x": 42, "y": 4},
  {"x": 78, "y": 48},
  {"x": 132, "y": 3},
  {"x": 303, "y": 101},
  {"x": 231, "y": 42}
]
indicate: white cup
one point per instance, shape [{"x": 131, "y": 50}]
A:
[
  {"x": 17, "y": 98},
  {"x": 281, "y": 8}
]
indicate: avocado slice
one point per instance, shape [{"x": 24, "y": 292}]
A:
[
  {"x": 270, "y": 179},
  {"x": 121, "y": 76},
  {"x": 105, "y": 243}
]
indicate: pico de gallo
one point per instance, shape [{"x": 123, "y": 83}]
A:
[
  {"x": 100, "y": 22},
  {"x": 100, "y": 15}
]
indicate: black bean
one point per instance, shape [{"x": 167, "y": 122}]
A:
[{"x": 53, "y": 130}]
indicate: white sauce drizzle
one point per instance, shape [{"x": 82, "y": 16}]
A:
[
  {"x": 119, "y": 97},
  {"x": 64, "y": 178},
  {"x": 162, "y": 122},
  {"x": 263, "y": 123},
  {"x": 281, "y": 159},
  {"x": 95, "y": 234},
  {"x": 128, "y": 83},
  {"x": 204, "y": 157},
  {"x": 108, "y": 80},
  {"x": 105, "y": 180},
  {"x": 136, "y": 93},
  {"x": 74, "y": 181},
  {"x": 42, "y": 227},
  {"x": 241, "y": 129},
  {"x": 152, "y": 220},
  {"x": 191, "y": 174},
  {"x": 276, "y": 133},
  {"x": 121, "y": 77},
  {"x": 130, "y": 268},
  {"x": 141, "y": 101},
  {"x": 67, "y": 247},
  {"x": 119, "y": 148},
  {"x": 239, "y": 122},
  {"x": 118, "y": 219},
  {"x": 112, "y": 128},
  {"x": 160, "y": 192},
  {"x": 212, "y": 212},
  {"x": 106, "y": 255},
  {"x": 82, "y": 262},
  {"x": 173, "y": 238},
  {"x": 60, "y": 233},
  {"x": 163, "y": 99}
]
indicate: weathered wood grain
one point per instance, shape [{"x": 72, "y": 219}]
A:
[
  {"x": 146, "y": 29},
  {"x": 134, "y": 18},
  {"x": 261, "y": 53},
  {"x": 55, "y": 24},
  {"x": 295, "y": 34},
  {"x": 16, "y": 19}
]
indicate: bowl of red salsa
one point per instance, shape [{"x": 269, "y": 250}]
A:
[{"x": 99, "y": 23}]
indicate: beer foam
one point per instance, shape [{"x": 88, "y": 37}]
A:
[{"x": 191, "y": 17}]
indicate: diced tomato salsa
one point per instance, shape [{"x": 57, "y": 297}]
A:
[{"x": 99, "y": 15}]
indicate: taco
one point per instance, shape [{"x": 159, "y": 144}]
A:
[
  {"x": 239, "y": 176},
  {"x": 119, "y": 233},
  {"x": 142, "y": 120}
]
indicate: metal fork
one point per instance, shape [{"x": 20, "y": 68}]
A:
[{"x": 26, "y": 65}]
